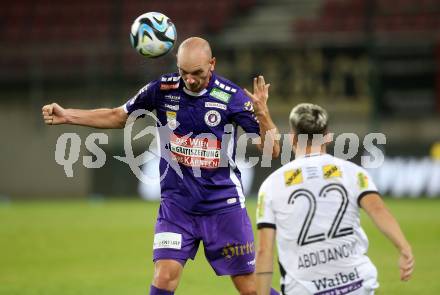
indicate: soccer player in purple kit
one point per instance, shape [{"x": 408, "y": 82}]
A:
[{"x": 206, "y": 206}]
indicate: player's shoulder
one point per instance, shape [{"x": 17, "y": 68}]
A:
[
  {"x": 348, "y": 165},
  {"x": 277, "y": 179},
  {"x": 224, "y": 90},
  {"x": 169, "y": 81},
  {"x": 225, "y": 85},
  {"x": 350, "y": 170}
]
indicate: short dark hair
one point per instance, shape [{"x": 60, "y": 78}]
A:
[{"x": 308, "y": 118}]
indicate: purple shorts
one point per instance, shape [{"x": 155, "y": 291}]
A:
[{"x": 227, "y": 238}]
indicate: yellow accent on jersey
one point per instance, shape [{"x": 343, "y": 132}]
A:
[
  {"x": 362, "y": 180},
  {"x": 260, "y": 205},
  {"x": 331, "y": 171},
  {"x": 292, "y": 177}
]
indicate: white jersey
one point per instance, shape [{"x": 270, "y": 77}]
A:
[{"x": 313, "y": 203}]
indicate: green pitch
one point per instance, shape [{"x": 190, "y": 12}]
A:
[{"x": 92, "y": 247}]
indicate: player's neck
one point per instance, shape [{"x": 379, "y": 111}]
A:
[
  {"x": 310, "y": 151},
  {"x": 210, "y": 75}
]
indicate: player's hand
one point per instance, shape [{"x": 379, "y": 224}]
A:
[
  {"x": 54, "y": 114},
  {"x": 406, "y": 264},
  {"x": 260, "y": 95}
]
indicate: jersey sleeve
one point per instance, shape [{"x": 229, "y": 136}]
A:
[
  {"x": 145, "y": 99},
  {"x": 364, "y": 184},
  {"x": 242, "y": 111},
  {"x": 265, "y": 212}
]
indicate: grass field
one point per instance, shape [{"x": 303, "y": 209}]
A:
[{"x": 104, "y": 247}]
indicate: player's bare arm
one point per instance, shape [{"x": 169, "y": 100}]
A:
[
  {"x": 268, "y": 131},
  {"x": 54, "y": 114},
  {"x": 264, "y": 260},
  {"x": 388, "y": 225}
]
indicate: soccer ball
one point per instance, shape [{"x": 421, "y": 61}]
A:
[{"x": 153, "y": 34}]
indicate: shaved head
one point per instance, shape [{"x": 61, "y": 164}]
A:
[
  {"x": 194, "y": 49},
  {"x": 195, "y": 63}
]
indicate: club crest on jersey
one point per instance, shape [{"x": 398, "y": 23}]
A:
[
  {"x": 212, "y": 118},
  {"x": 292, "y": 177},
  {"x": 172, "y": 119},
  {"x": 331, "y": 171},
  {"x": 221, "y": 95}
]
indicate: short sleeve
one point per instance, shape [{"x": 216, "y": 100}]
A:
[
  {"x": 265, "y": 213},
  {"x": 144, "y": 99},
  {"x": 364, "y": 184},
  {"x": 242, "y": 111}
]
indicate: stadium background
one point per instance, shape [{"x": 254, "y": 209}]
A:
[{"x": 375, "y": 65}]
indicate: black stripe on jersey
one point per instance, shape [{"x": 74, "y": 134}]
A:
[
  {"x": 363, "y": 194},
  {"x": 283, "y": 276},
  {"x": 282, "y": 270},
  {"x": 283, "y": 289},
  {"x": 266, "y": 225}
]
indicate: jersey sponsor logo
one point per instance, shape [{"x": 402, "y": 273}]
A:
[
  {"x": 221, "y": 95},
  {"x": 170, "y": 79},
  {"x": 248, "y": 106},
  {"x": 235, "y": 250},
  {"x": 362, "y": 180},
  {"x": 166, "y": 86},
  {"x": 167, "y": 240},
  {"x": 292, "y": 177},
  {"x": 171, "y": 119},
  {"x": 172, "y": 97},
  {"x": 212, "y": 118},
  {"x": 231, "y": 201},
  {"x": 172, "y": 107},
  {"x": 217, "y": 105},
  {"x": 312, "y": 172},
  {"x": 196, "y": 152},
  {"x": 260, "y": 205},
  {"x": 344, "y": 282},
  {"x": 252, "y": 262},
  {"x": 331, "y": 171}
]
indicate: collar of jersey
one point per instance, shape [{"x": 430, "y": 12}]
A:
[
  {"x": 210, "y": 84},
  {"x": 189, "y": 92},
  {"x": 309, "y": 155}
]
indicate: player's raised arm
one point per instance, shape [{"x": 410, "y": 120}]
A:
[
  {"x": 54, "y": 114},
  {"x": 268, "y": 130},
  {"x": 387, "y": 224}
]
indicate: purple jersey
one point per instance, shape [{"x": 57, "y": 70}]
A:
[{"x": 203, "y": 136}]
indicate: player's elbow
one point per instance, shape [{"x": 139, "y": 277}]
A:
[
  {"x": 276, "y": 152},
  {"x": 264, "y": 252},
  {"x": 119, "y": 117}
]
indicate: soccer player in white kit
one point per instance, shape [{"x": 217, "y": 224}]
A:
[{"x": 311, "y": 206}]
